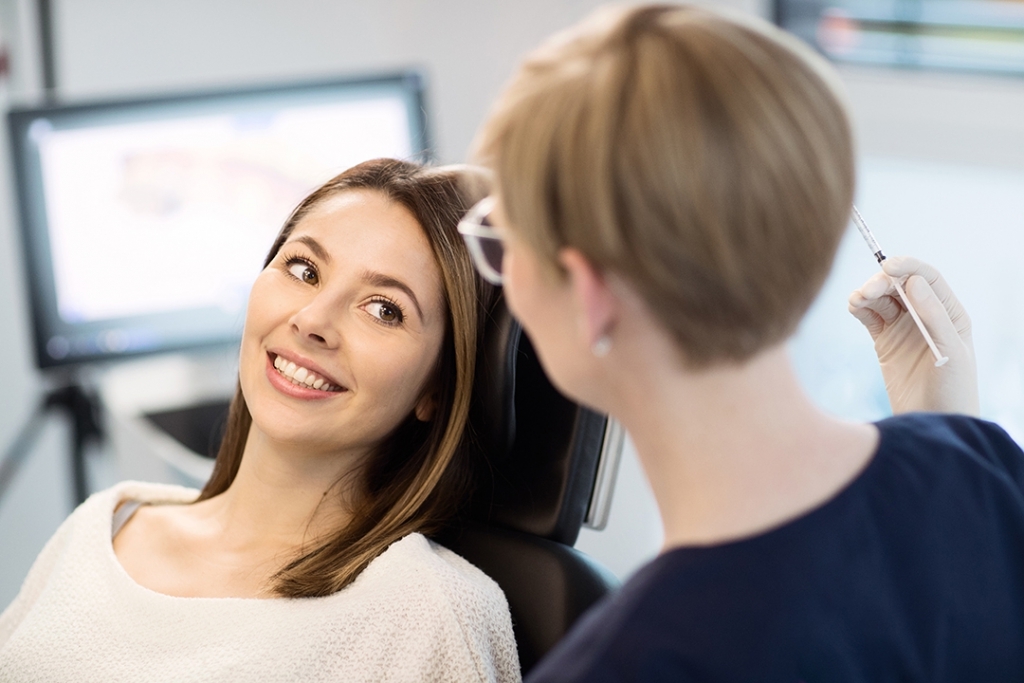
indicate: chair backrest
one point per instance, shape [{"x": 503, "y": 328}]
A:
[{"x": 542, "y": 451}]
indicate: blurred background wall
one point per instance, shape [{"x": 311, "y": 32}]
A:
[
  {"x": 942, "y": 177},
  {"x": 112, "y": 48}
]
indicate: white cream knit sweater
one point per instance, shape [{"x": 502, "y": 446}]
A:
[{"x": 419, "y": 612}]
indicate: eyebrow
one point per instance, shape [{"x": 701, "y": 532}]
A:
[
  {"x": 314, "y": 247},
  {"x": 381, "y": 280}
]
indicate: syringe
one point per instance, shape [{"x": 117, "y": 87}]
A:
[{"x": 876, "y": 249}]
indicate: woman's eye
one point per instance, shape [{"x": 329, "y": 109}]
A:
[
  {"x": 303, "y": 272},
  {"x": 386, "y": 312}
]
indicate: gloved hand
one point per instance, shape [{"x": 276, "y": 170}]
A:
[{"x": 908, "y": 366}]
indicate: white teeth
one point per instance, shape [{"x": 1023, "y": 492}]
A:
[{"x": 300, "y": 376}]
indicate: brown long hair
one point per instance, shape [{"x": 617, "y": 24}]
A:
[{"x": 421, "y": 474}]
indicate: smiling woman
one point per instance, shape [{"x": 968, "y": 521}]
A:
[
  {"x": 333, "y": 288},
  {"x": 345, "y": 447}
]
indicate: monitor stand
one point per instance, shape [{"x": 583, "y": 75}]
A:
[
  {"x": 164, "y": 419},
  {"x": 82, "y": 407}
]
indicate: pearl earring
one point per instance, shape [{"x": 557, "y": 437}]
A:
[{"x": 602, "y": 346}]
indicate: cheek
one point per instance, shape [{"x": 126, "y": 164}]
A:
[
  {"x": 398, "y": 372},
  {"x": 531, "y": 297},
  {"x": 544, "y": 309},
  {"x": 258, "y": 313},
  {"x": 411, "y": 379},
  {"x": 517, "y": 285},
  {"x": 262, "y": 315},
  {"x": 260, "y": 301}
]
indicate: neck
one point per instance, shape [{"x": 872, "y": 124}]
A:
[
  {"x": 283, "y": 496},
  {"x": 735, "y": 450}
]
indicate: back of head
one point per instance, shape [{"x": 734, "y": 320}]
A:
[{"x": 707, "y": 160}]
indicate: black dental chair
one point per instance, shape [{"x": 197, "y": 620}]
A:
[{"x": 543, "y": 453}]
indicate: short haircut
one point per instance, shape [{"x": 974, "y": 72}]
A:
[{"x": 706, "y": 159}]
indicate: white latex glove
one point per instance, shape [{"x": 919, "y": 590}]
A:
[{"x": 908, "y": 366}]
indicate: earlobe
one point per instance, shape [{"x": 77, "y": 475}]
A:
[
  {"x": 426, "y": 407},
  {"x": 596, "y": 303}
]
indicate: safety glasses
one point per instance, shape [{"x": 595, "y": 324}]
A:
[{"x": 483, "y": 241}]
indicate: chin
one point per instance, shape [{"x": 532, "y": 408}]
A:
[
  {"x": 278, "y": 424},
  {"x": 569, "y": 375},
  {"x": 587, "y": 394}
]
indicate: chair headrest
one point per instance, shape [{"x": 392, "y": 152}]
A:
[{"x": 542, "y": 449}]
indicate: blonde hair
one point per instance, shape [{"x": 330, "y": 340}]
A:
[
  {"x": 708, "y": 160},
  {"x": 420, "y": 476}
]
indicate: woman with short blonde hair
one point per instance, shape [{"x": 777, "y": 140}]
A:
[
  {"x": 708, "y": 162},
  {"x": 671, "y": 188}
]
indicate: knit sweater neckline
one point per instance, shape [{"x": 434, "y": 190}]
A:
[{"x": 169, "y": 494}]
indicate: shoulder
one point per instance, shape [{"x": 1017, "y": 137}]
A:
[
  {"x": 640, "y": 632},
  {"x": 957, "y": 431},
  {"x": 80, "y": 541},
  {"x": 96, "y": 513},
  {"x": 91, "y": 524},
  {"x": 955, "y": 442},
  {"x": 461, "y": 615},
  {"x": 106, "y": 501},
  {"x": 159, "y": 503},
  {"x": 417, "y": 561},
  {"x": 145, "y": 492}
]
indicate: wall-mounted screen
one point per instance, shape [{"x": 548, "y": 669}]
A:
[
  {"x": 146, "y": 221},
  {"x": 974, "y": 35}
]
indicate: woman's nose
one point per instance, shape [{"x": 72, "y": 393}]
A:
[{"x": 317, "y": 323}]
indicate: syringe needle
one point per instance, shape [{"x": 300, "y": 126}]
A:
[
  {"x": 873, "y": 244},
  {"x": 876, "y": 250}
]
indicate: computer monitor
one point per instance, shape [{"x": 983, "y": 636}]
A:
[
  {"x": 145, "y": 221},
  {"x": 962, "y": 35}
]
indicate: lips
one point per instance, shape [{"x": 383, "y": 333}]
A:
[{"x": 300, "y": 373}]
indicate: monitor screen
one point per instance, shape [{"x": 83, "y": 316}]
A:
[
  {"x": 966, "y": 35},
  {"x": 146, "y": 221}
]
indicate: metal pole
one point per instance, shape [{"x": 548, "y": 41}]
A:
[{"x": 46, "y": 50}]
